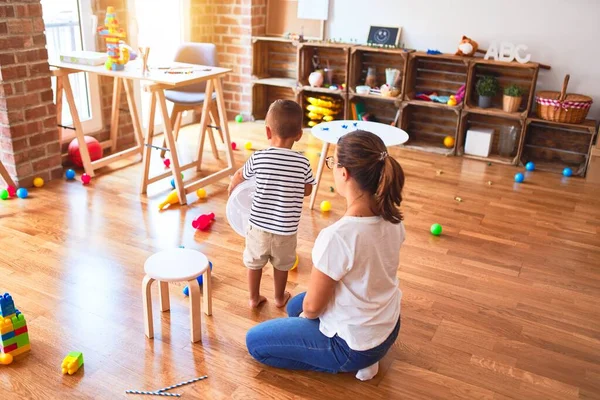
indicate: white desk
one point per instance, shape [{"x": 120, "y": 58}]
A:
[
  {"x": 158, "y": 80},
  {"x": 331, "y": 132}
]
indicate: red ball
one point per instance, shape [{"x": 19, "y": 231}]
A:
[
  {"x": 233, "y": 146},
  {"x": 85, "y": 178},
  {"x": 94, "y": 148},
  {"x": 12, "y": 191}
]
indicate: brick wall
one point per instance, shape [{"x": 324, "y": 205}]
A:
[{"x": 29, "y": 143}]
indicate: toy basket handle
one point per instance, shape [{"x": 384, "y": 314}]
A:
[{"x": 563, "y": 92}]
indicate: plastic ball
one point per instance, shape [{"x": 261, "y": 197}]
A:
[
  {"x": 22, "y": 193},
  {"x": 530, "y": 166},
  {"x": 38, "y": 182},
  {"x": 173, "y": 181},
  {"x": 94, "y": 148},
  {"x": 519, "y": 177},
  {"x": 12, "y": 191},
  {"x": 6, "y": 358},
  {"x": 248, "y": 146},
  {"x": 436, "y": 229},
  {"x": 233, "y": 145},
  {"x": 201, "y": 193},
  {"x": 70, "y": 174},
  {"x": 567, "y": 172},
  {"x": 449, "y": 142},
  {"x": 86, "y": 179},
  {"x": 325, "y": 206},
  {"x": 3, "y": 194},
  {"x": 186, "y": 290},
  {"x": 239, "y": 118}
]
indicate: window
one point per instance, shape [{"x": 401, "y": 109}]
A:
[{"x": 70, "y": 26}]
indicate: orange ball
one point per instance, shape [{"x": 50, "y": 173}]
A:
[{"x": 449, "y": 142}]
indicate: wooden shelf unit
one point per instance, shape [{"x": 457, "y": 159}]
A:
[
  {"x": 364, "y": 57},
  {"x": 331, "y": 55},
  {"x": 553, "y": 146},
  {"x": 275, "y": 59},
  {"x": 523, "y": 75},
  {"x": 428, "y": 126},
  {"x": 384, "y": 109},
  {"x": 264, "y": 94}
]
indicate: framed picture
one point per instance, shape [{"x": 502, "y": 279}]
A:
[{"x": 382, "y": 35}]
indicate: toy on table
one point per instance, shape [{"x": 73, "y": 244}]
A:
[
  {"x": 567, "y": 172},
  {"x": 38, "y": 182},
  {"x": 436, "y": 229},
  {"x": 14, "y": 338},
  {"x": 4, "y": 194},
  {"x": 144, "y": 53},
  {"x": 167, "y": 162},
  {"x": 172, "y": 198},
  {"x": 12, "y": 191},
  {"x": 72, "y": 362},
  {"x": 201, "y": 193},
  {"x": 22, "y": 193},
  {"x": 467, "y": 47},
  {"x": 86, "y": 179},
  {"x": 325, "y": 206},
  {"x": 203, "y": 222},
  {"x": 248, "y": 146},
  {"x": 530, "y": 166},
  {"x": 70, "y": 174},
  {"x": 233, "y": 145},
  {"x": 519, "y": 177},
  {"x": 117, "y": 56},
  {"x": 186, "y": 290},
  {"x": 94, "y": 149}
]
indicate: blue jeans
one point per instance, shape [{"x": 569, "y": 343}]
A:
[{"x": 297, "y": 343}]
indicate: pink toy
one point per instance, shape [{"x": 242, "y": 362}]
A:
[
  {"x": 460, "y": 94},
  {"x": 203, "y": 222},
  {"x": 233, "y": 145},
  {"x": 12, "y": 191},
  {"x": 167, "y": 162},
  {"x": 86, "y": 179}
]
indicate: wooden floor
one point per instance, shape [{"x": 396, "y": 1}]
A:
[{"x": 505, "y": 304}]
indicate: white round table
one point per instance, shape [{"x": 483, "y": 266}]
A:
[
  {"x": 331, "y": 132},
  {"x": 178, "y": 265}
]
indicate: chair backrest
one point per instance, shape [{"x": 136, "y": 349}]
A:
[{"x": 200, "y": 54}]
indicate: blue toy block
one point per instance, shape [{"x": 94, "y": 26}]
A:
[
  {"x": 7, "y": 336},
  {"x": 7, "y": 306}
]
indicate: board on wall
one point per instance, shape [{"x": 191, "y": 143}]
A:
[{"x": 282, "y": 18}]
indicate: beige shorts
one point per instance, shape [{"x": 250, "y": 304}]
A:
[{"x": 262, "y": 247}]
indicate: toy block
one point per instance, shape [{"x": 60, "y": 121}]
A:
[
  {"x": 7, "y": 306},
  {"x": 10, "y": 341},
  {"x": 72, "y": 362},
  {"x": 10, "y": 348},
  {"x": 7, "y": 336},
  {"x": 21, "y": 350},
  {"x": 22, "y": 340},
  {"x": 6, "y": 325},
  {"x": 18, "y": 321},
  {"x": 21, "y": 330}
]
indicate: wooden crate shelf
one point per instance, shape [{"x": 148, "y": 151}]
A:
[
  {"x": 428, "y": 126},
  {"x": 264, "y": 95},
  {"x": 552, "y": 146},
  {"x": 304, "y": 94},
  {"x": 363, "y": 57},
  {"x": 384, "y": 111},
  {"x": 523, "y": 75},
  {"x": 476, "y": 120},
  {"x": 330, "y": 55},
  {"x": 443, "y": 74},
  {"x": 274, "y": 61}
]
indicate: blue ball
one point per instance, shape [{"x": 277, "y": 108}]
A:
[
  {"x": 186, "y": 290},
  {"x": 519, "y": 177},
  {"x": 70, "y": 174},
  {"x": 567, "y": 172},
  {"x": 22, "y": 193},
  {"x": 530, "y": 166}
]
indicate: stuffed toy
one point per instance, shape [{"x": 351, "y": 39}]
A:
[{"x": 467, "y": 47}]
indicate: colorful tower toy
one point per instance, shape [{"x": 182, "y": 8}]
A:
[
  {"x": 118, "y": 56},
  {"x": 14, "y": 339}
]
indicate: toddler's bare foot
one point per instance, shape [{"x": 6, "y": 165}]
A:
[
  {"x": 257, "y": 302},
  {"x": 283, "y": 301}
]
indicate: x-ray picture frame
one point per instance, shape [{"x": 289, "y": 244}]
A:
[{"x": 384, "y": 35}]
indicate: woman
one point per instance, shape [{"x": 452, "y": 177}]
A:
[{"x": 350, "y": 315}]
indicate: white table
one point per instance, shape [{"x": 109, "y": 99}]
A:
[{"x": 331, "y": 132}]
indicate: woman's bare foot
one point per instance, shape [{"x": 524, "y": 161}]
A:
[
  {"x": 257, "y": 302},
  {"x": 282, "y": 302}
]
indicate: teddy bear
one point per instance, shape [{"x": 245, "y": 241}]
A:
[{"x": 466, "y": 47}]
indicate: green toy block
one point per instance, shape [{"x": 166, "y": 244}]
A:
[
  {"x": 18, "y": 321},
  {"x": 8, "y": 342},
  {"x": 78, "y": 356},
  {"x": 22, "y": 340}
]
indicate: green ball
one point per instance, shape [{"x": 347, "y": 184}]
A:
[
  {"x": 436, "y": 229},
  {"x": 239, "y": 118},
  {"x": 4, "y": 194}
]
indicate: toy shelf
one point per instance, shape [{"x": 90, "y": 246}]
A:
[
  {"x": 342, "y": 97},
  {"x": 523, "y": 75},
  {"x": 380, "y": 108},
  {"x": 552, "y": 146},
  {"x": 471, "y": 120},
  {"x": 330, "y": 55},
  {"x": 274, "y": 61},
  {"x": 443, "y": 74},
  {"x": 428, "y": 126},
  {"x": 376, "y": 97},
  {"x": 263, "y": 95},
  {"x": 363, "y": 57}
]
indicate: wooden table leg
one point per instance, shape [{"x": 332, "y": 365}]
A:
[
  {"x": 174, "y": 116},
  {"x": 135, "y": 116},
  {"x": 85, "y": 155},
  {"x": 214, "y": 117},
  {"x": 175, "y": 168},
  {"x": 163, "y": 293},
  {"x": 147, "y": 298},
  {"x": 59, "y": 106},
  {"x": 223, "y": 122},
  {"x": 195, "y": 311},
  {"x": 6, "y": 176},
  {"x": 204, "y": 120},
  {"x": 147, "y": 151},
  {"x": 207, "y": 291},
  {"x": 313, "y": 196},
  {"x": 114, "y": 114}
]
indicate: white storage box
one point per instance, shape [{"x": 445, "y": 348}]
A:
[
  {"x": 479, "y": 142},
  {"x": 84, "y": 57}
]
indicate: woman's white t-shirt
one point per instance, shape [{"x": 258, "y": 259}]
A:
[{"x": 362, "y": 254}]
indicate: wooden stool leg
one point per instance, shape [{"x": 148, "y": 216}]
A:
[
  {"x": 163, "y": 291},
  {"x": 195, "y": 311},
  {"x": 207, "y": 291},
  {"x": 147, "y": 298},
  {"x": 214, "y": 116},
  {"x": 313, "y": 196}
]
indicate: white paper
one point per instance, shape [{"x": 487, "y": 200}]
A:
[{"x": 313, "y": 9}]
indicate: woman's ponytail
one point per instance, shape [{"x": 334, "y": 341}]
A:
[{"x": 389, "y": 191}]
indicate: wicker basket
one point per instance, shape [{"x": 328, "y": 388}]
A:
[{"x": 563, "y": 107}]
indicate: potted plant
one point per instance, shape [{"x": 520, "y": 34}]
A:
[
  {"x": 511, "y": 101},
  {"x": 487, "y": 87}
]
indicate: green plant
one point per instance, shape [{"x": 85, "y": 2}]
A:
[
  {"x": 513, "y": 91},
  {"x": 487, "y": 86}
]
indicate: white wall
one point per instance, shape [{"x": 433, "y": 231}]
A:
[{"x": 562, "y": 33}]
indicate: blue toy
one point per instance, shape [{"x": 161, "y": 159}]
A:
[
  {"x": 22, "y": 193},
  {"x": 519, "y": 177},
  {"x": 186, "y": 290},
  {"x": 173, "y": 181},
  {"x": 70, "y": 174},
  {"x": 530, "y": 166},
  {"x": 567, "y": 172},
  {"x": 433, "y": 52}
]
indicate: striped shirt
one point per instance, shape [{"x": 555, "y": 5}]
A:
[{"x": 281, "y": 176}]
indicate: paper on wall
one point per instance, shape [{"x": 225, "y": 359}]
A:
[{"x": 313, "y": 9}]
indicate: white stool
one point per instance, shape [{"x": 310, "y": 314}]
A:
[{"x": 177, "y": 265}]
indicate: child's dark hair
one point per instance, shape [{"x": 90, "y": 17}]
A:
[
  {"x": 366, "y": 158},
  {"x": 285, "y": 118}
]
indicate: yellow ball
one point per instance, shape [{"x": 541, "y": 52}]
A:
[
  {"x": 295, "y": 263},
  {"x": 449, "y": 142},
  {"x": 325, "y": 206},
  {"x": 248, "y": 146},
  {"x": 38, "y": 182},
  {"x": 201, "y": 193}
]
